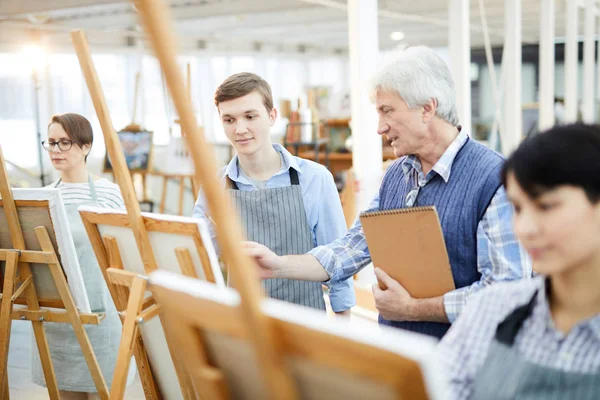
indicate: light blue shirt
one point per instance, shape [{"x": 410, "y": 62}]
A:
[{"x": 321, "y": 202}]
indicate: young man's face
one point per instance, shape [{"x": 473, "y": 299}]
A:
[{"x": 247, "y": 123}]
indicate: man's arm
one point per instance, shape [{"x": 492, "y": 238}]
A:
[
  {"x": 303, "y": 267},
  {"x": 337, "y": 261},
  {"x": 499, "y": 255}
]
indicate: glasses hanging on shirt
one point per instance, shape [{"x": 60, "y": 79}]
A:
[
  {"x": 411, "y": 197},
  {"x": 63, "y": 144}
]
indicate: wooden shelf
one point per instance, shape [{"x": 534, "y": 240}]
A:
[{"x": 339, "y": 162}]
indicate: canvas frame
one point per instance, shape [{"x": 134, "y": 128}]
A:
[
  {"x": 49, "y": 205},
  {"x": 328, "y": 358}
]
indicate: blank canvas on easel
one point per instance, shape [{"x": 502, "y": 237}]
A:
[
  {"x": 329, "y": 358},
  {"x": 167, "y": 234},
  {"x": 44, "y": 207}
]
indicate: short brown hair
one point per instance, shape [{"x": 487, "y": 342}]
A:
[
  {"x": 239, "y": 85},
  {"x": 77, "y": 127}
]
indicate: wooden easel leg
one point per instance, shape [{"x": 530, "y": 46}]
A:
[
  {"x": 46, "y": 359},
  {"x": 130, "y": 332},
  {"x": 5, "y": 312},
  {"x": 181, "y": 194},
  {"x": 151, "y": 391},
  {"x": 163, "y": 199},
  {"x": 4, "y": 388},
  {"x": 120, "y": 297},
  {"x": 75, "y": 320}
]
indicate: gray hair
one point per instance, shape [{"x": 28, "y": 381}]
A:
[{"x": 418, "y": 74}]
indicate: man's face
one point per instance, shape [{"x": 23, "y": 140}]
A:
[
  {"x": 247, "y": 123},
  {"x": 405, "y": 127}
]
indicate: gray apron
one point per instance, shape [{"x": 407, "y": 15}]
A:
[
  {"x": 276, "y": 218},
  {"x": 72, "y": 373},
  {"x": 507, "y": 375}
]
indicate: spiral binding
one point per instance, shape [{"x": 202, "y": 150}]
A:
[{"x": 397, "y": 211}]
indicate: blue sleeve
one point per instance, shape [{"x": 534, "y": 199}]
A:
[
  {"x": 330, "y": 226},
  {"x": 201, "y": 212}
]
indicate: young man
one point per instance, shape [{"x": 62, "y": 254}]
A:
[{"x": 289, "y": 204}]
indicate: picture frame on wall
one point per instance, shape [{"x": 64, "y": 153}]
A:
[{"x": 137, "y": 148}]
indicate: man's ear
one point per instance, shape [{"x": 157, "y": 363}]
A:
[
  {"x": 429, "y": 109},
  {"x": 273, "y": 115}
]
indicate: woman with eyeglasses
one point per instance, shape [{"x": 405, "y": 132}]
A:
[
  {"x": 540, "y": 339},
  {"x": 68, "y": 144}
]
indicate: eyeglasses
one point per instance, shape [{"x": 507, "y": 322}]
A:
[{"x": 63, "y": 144}]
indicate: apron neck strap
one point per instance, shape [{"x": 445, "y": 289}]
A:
[
  {"x": 92, "y": 187},
  {"x": 294, "y": 180},
  {"x": 508, "y": 329},
  {"x": 231, "y": 184},
  {"x": 294, "y": 177}
]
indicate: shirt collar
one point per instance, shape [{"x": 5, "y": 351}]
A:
[
  {"x": 288, "y": 161},
  {"x": 443, "y": 166}
]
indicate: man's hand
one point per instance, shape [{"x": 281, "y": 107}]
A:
[
  {"x": 393, "y": 303},
  {"x": 270, "y": 263}
]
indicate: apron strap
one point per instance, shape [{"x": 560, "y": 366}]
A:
[
  {"x": 230, "y": 184},
  {"x": 294, "y": 180},
  {"x": 294, "y": 177},
  {"x": 508, "y": 329},
  {"x": 92, "y": 187}
]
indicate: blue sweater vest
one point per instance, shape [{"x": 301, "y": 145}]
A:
[{"x": 460, "y": 203}]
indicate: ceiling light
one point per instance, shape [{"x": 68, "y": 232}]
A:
[{"x": 397, "y": 35}]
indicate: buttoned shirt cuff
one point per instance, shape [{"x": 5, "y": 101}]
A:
[{"x": 342, "y": 299}]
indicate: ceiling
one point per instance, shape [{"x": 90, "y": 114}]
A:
[{"x": 250, "y": 25}]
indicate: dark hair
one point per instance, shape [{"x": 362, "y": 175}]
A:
[
  {"x": 239, "y": 85},
  {"x": 77, "y": 127},
  {"x": 563, "y": 155}
]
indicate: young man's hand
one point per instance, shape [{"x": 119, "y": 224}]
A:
[{"x": 270, "y": 263}]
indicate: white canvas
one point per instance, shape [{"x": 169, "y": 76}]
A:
[
  {"x": 417, "y": 347},
  {"x": 163, "y": 246},
  {"x": 64, "y": 240}
]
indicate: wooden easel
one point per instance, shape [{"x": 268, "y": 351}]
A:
[
  {"x": 275, "y": 372},
  {"x": 135, "y": 220},
  {"x": 14, "y": 286},
  {"x": 139, "y": 310},
  {"x": 369, "y": 364},
  {"x": 195, "y": 185}
]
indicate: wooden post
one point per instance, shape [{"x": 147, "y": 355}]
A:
[{"x": 156, "y": 18}]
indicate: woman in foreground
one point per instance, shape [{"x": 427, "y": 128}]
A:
[{"x": 540, "y": 339}]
